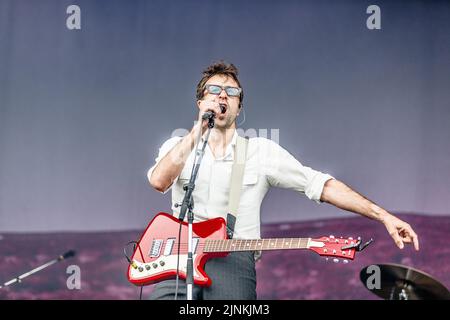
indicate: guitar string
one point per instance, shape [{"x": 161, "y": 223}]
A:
[{"x": 243, "y": 242}]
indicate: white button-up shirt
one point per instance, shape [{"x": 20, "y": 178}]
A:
[{"x": 267, "y": 165}]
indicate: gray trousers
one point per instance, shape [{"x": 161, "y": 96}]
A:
[{"x": 233, "y": 278}]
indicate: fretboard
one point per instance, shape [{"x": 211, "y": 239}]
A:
[{"x": 255, "y": 244}]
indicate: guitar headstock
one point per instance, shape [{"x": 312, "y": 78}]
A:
[{"x": 333, "y": 247}]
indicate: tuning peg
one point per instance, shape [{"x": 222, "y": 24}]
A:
[
  {"x": 335, "y": 260},
  {"x": 345, "y": 261},
  {"x": 350, "y": 238},
  {"x": 331, "y": 236},
  {"x": 326, "y": 259}
]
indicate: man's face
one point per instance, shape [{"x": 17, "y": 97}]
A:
[{"x": 227, "y": 119}]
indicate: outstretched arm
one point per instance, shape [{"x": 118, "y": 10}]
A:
[{"x": 340, "y": 195}]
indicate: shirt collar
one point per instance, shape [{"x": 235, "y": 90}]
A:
[{"x": 229, "y": 152}]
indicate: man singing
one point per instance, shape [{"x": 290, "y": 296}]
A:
[{"x": 267, "y": 164}]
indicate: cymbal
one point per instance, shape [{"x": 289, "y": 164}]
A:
[{"x": 398, "y": 282}]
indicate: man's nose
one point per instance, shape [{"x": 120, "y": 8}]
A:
[{"x": 223, "y": 93}]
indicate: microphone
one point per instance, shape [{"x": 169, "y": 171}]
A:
[
  {"x": 68, "y": 254},
  {"x": 208, "y": 115},
  {"x": 211, "y": 114}
]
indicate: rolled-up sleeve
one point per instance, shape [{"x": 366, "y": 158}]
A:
[
  {"x": 284, "y": 171},
  {"x": 163, "y": 150}
]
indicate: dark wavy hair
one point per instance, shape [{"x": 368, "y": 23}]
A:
[{"x": 219, "y": 68}]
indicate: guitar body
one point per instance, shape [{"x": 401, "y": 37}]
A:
[{"x": 155, "y": 257}]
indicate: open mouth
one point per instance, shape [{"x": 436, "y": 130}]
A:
[{"x": 223, "y": 107}]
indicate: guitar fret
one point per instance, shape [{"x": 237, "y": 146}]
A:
[{"x": 230, "y": 245}]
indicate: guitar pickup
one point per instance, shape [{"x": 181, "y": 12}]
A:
[
  {"x": 169, "y": 246},
  {"x": 155, "y": 250}
]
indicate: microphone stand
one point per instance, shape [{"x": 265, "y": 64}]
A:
[
  {"x": 66, "y": 255},
  {"x": 187, "y": 205}
]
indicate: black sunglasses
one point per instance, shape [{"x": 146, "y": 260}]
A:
[{"x": 216, "y": 89}]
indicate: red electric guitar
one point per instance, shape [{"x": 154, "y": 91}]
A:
[{"x": 155, "y": 257}]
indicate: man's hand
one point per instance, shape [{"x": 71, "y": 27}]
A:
[
  {"x": 210, "y": 104},
  {"x": 400, "y": 231}
]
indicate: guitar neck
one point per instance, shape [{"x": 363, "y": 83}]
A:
[{"x": 255, "y": 244}]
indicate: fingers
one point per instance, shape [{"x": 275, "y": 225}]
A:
[
  {"x": 210, "y": 105},
  {"x": 403, "y": 234},
  {"x": 412, "y": 236},
  {"x": 409, "y": 236},
  {"x": 416, "y": 242},
  {"x": 394, "y": 234}
]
